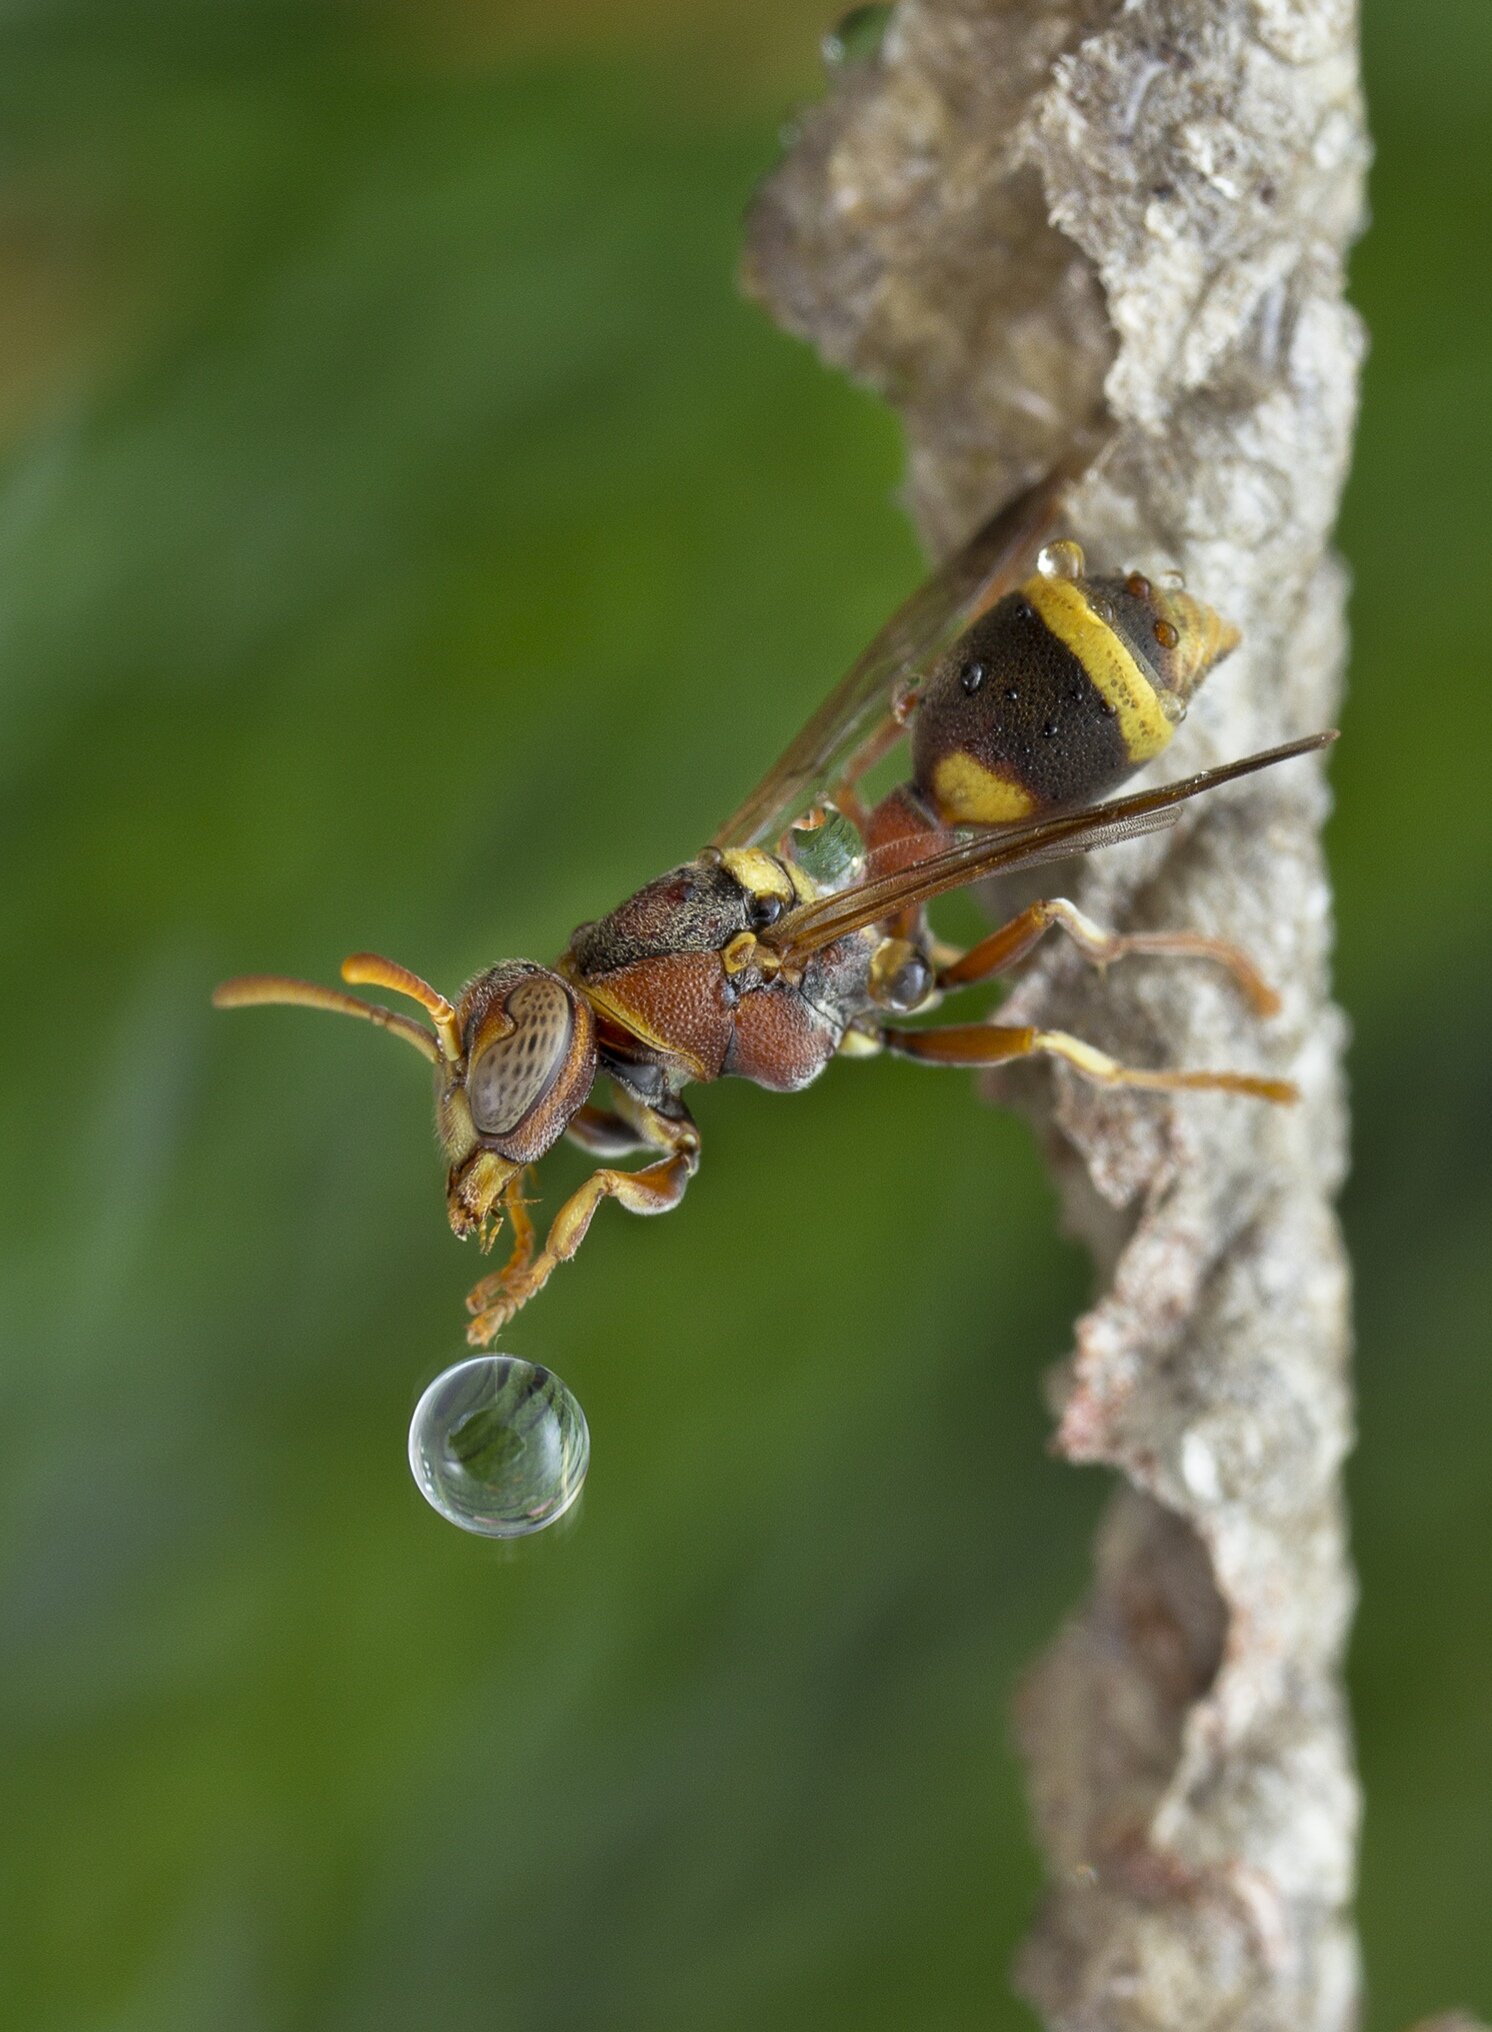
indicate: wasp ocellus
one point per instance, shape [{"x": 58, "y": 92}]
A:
[{"x": 1026, "y": 690}]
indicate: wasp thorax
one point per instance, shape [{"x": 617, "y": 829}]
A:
[{"x": 530, "y": 1057}]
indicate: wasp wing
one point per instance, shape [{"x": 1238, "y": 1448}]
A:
[
  {"x": 859, "y": 713},
  {"x": 808, "y": 930}
]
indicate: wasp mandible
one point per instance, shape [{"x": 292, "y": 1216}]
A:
[{"x": 1026, "y": 689}]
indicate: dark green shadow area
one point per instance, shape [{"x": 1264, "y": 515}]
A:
[{"x": 1412, "y": 849}]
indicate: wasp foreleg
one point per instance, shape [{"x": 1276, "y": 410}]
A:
[
  {"x": 515, "y": 1206},
  {"x": 975, "y": 1044},
  {"x": 656, "y": 1189},
  {"x": 1002, "y": 948}
]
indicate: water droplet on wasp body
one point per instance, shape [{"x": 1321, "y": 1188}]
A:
[
  {"x": 904, "y": 701},
  {"x": 827, "y": 846},
  {"x": 1062, "y": 560},
  {"x": 856, "y": 37},
  {"x": 499, "y": 1446}
]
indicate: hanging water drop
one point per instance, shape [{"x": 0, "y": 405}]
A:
[
  {"x": 499, "y": 1446},
  {"x": 856, "y": 37}
]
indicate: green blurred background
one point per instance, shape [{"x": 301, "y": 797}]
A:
[{"x": 409, "y": 540}]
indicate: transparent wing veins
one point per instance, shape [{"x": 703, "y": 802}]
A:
[
  {"x": 850, "y": 719},
  {"x": 808, "y": 930}
]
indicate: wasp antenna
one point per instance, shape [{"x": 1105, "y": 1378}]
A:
[
  {"x": 371, "y": 970},
  {"x": 250, "y": 991}
]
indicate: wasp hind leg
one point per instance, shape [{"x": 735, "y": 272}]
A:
[
  {"x": 1002, "y": 948},
  {"x": 981, "y": 1044},
  {"x": 655, "y": 1189}
]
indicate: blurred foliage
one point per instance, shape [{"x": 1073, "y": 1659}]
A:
[{"x": 408, "y": 540}]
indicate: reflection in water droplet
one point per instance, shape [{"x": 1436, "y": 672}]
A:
[
  {"x": 856, "y": 37},
  {"x": 499, "y": 1446},
  {"x": 827, "y": 846}
]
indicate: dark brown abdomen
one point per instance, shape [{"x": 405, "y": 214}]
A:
[{"x": 1011, "y": 724}]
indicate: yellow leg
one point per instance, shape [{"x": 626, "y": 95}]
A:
[
  {"x": 1013, "y": 941},
  {"x": 656, "y": 1189},
  {"x": 515, "y": 1206},
  {"x": 975, "y": 1044}
]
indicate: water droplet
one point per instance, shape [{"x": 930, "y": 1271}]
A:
[
  {"x": 1166, "y": 635},
  {"x": 972, "y": 677},
  {"x": 827, "y": 847},
  {"x": 900, "y": 977},
  {"x": 856, "y": 37},
  {"x": 1173, "y": 581},
  {"x": 499, "y": 1446},
  {"x": 1063, "y": 560}
]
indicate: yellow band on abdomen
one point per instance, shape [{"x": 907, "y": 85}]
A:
[
  {"x": 969, "y": 794},
  {"x": 1107, "y": 662}
]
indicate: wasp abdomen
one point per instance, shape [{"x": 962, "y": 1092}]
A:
[{"x": 1059, "y": 692}]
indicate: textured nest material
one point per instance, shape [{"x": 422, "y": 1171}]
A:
[{"x": 1014, "y": 217}]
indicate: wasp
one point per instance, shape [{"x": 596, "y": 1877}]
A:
[{"x": 1026, "y": 689}]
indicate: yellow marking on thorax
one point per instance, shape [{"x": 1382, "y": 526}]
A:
[
  {"x": 968, "y": 793},
  {"x": 746, "y": 950},
  {"x": 762, "y": 874},
  {"x": 1107, "y": 660}
]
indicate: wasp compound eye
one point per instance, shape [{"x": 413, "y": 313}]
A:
[{"x": 510, "y": 1076}]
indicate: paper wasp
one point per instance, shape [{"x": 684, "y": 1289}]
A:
[{"x": 800, "y": 932}]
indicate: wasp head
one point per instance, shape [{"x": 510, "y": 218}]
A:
[
  {"x": 527, "y": 1062},
  {"x": 514, "y": 1059}
]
